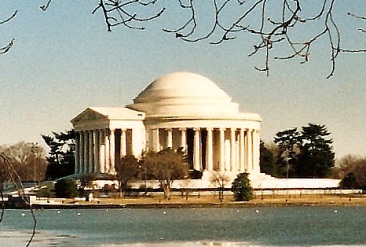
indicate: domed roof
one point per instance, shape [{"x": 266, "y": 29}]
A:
[
  {"x": 183, "y": 94},
  {"x": 180, "y": 85}
]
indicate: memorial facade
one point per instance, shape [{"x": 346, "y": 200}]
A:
[{"x": 178, "y": 110}]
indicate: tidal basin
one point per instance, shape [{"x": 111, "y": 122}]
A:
[{"x": 252, "y": 226}]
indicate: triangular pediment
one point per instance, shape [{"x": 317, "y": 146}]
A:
[{"x": 88, "y": 115}]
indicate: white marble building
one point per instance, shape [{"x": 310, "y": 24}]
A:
[{"x": 177, "y": 110}]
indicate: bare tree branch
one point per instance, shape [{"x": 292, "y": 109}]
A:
[
  {"x": 116, "y": 12},
  {"x": 275, "y": 24},
  {"x": 275, "y": 29},
  {"x": 12, "y": 175},
  {"x": 45, "y": 7},
  {"x": 7, "y": 47}
]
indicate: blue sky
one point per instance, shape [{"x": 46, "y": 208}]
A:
[{"x": 64, "y": 61}]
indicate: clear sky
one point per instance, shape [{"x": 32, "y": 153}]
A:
[{"x": 64, "y": 61}]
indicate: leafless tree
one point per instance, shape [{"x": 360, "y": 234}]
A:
[
  {"x": 274, "y": 24},
  {"x": 8, "y": 173},
  {"x": 352, "y": 164},
  {"x": 20, "y": 162},
  {"x": 347, "y": 164},
  {"x": 220, "y": 180},
  {"x": 166, "y": 166},
  {"x": 27, "y": 160}
]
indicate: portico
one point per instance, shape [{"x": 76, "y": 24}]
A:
[{"x": 104, "y": 135}]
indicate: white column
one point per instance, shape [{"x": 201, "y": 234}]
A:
[
  {"x": 241, "y": 150},
  {"x": 148, "y": 142},
  {"x": 156, "y": 140},
  {"x": 169, "y": 143},
  {"x": 112, "y": 151},
  {"x": 101, "y": 151},
  {"x": 222, "y": 150},
  {"x": 196, "y": 150},
  {"x": 77, "y": 146},
  {"x": 107, "y": 152},
  {"x": 183, "y": 139},
  {"x": 123, "y": 151},
  {"x": 209, "y": 157},
  {"x": 86, "y": 152},
  {"x": 81, "y": 152},
  {"x": 232, "y": 150},
  {"x": 91, "y": 152},
  {"x": 250, "y": 150},
  {"x": 96, "y": 150}
]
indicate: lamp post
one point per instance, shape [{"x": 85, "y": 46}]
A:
[
  {"x": 34, "y": 150},
  {"x": 144, "y": 170},
  {"x": 287, "y": 168}
]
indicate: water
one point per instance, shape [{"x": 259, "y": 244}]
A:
[{"x": 265, "y": 226}]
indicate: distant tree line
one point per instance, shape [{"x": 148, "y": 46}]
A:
[
  {"x": 308, "y": 153},
  {"x": 294, "y": 153}
]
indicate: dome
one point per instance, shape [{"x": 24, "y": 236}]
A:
[{"x": 183, "y": 94}]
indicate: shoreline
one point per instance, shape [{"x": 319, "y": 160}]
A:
[{"x": 202, "y": 202}]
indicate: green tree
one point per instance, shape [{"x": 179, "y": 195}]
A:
[
  {"x": 166, "y": 166},
  {"x": 316, "y": 158},
  {"x": 127, "y": 169},
  {"x": 349, "y": 181},
  {"x": 267, "y": 160},
  {"x": 288, "y": 142},
  {"x": 61, "y": 160},
  {"x": 305, "y": 154},
  {"x": 241, "y": 187},
  {"x": 66, "y": 188}
]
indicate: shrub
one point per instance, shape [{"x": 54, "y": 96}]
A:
[
  {"x": 66, "y": 188},
  {"x": 241, "y": 187},
  {"x": 109, "y": 188},
  {"x": 349, "y": 181},
  {"x": 44, "y": 192}
]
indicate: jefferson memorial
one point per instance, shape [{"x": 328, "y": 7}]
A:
[{"x": 177, "y": 110}]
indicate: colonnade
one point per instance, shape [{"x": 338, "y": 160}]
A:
[
  {"x": 209, "y": 149},
  {"x": 97, "y": 150},
  {"x": 214, "y": 149}
]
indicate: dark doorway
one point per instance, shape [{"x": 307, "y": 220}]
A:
[{"x": 190, "y": 143}]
